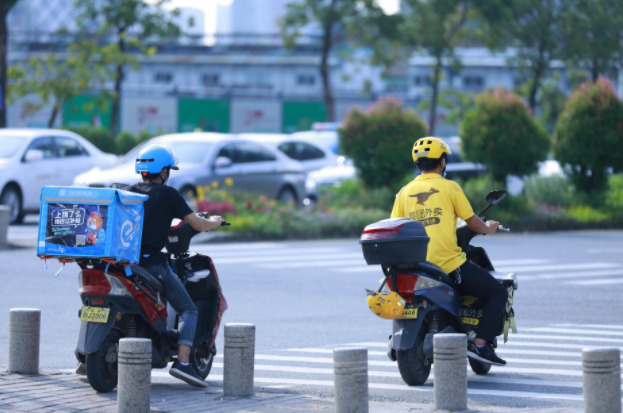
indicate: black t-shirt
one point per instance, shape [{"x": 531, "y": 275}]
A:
[{"x": 163, "y": 205}]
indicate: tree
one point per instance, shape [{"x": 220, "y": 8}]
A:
[
  {"x": 589, "y": 135},
  {"x": 5, "y": 8},
  {"x": 593, "y": 35},
  {"x": 58, "y": 79},
  {"x": 380, "y": 141},
  {"x": 126, "y": 25},
  {"x": 436, "y": 27},
  {"x": 339, "y": 21},
  {"x": 501, "y": 133},
  {"x": 532, "y": 29}
]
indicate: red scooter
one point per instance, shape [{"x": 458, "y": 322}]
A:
[{"x": 118, "y": 303}]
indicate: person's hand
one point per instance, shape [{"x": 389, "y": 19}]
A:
[
  {"x": 492, "y": 226},
  {"x": 217, "y": 220}
]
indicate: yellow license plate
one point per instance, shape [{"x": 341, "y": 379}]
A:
[
  {"x": 94, "y": 314},
  {"x": 470, "y": 321},
  {"x": 409, "y": 313}
]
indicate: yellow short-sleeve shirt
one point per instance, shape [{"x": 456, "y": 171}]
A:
[{"x": 436, "y": 202}]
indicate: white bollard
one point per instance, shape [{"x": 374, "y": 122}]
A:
[
  {"x": 5, "y": 213},
  {"x": 601, "y": 380},
  {"x": 350, "y": 370},
  {"x": 24, "y": 333},
  {"x": 450, "y": 361},
  {"x": 134, "y": 375},
  {"x": 238, "y": 359}
]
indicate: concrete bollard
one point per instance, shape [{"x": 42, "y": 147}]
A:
[
  {"x": 350, "y": 370},
  {"x": 5, "y": 213},
  {"x": 134, "y": 375},
  {"x": 24, "y": 333},
  {"x": 601, "y": 380},
  {"x": 450, "y": 361},
  {"x": 238, "y": 359}
]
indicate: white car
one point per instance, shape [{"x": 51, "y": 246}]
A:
[
  {"x": 33, "y": 158},
  {"x": 312, "y": 155},
  {"x": 210, "y": 158}
]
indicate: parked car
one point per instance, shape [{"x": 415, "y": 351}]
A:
[
  {"x": 208, "y": 159},
  {"x": 327, "y": 138},
  {"x": 33, "y": 158},
  {"x": 310, "y": 154},
  {"x": 331, "y": 176},
  {"x": 456, "y": 167}
]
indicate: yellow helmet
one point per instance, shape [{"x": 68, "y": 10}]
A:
[
  {"x": 387, "y": 306},
  {"x": 429, "y": 147}
]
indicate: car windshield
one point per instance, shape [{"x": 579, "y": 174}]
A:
[
  {"x": 10, "y": 145},
  {"x": 186, "y": 152}
]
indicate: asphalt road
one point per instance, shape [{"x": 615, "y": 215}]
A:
[{"x": 308, "y": 297}]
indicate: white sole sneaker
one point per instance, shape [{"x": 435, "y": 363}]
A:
[{"x": 193, "y": 381}]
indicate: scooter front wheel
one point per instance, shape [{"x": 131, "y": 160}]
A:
[
  {"x": 413, "y": 365},
  {"x": 479, "y": 367},
  {"x": 202, "y": 359},
  {"x": 102, "y": 364}
]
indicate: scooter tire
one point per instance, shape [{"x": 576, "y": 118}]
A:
[
  {"x": 412, "y": 363},
  {"x": 102, "y": 364},
  {"x": 202, "y": 360},
  {"x": 479, "y": 367}
]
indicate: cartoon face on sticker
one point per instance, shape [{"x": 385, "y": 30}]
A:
[{"x": 94, "y": 228}]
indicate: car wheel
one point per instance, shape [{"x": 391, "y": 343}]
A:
[
  {"x": 11, "y": 197},
  {"x": 188, "y": 192},
  {"x": 286, "y": 195}
]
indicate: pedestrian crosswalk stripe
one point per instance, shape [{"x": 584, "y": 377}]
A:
[
  {"x": 572, "y": 331},
  {"x": 599, "y": 327},
  {"x": 597, "y": 281},
  {"x": 558, "y": 267},
  {"x": 576, "y": 274},
  {"x": 514, "y": 343}
]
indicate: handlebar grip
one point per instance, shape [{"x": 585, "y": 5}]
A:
[
  {"x": 503, "y": 228},
  {"x": 225, "y": 223}
]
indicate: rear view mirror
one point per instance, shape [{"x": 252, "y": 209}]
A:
[
  {"x": 34, "y": 155},
  {"x": 494, "y": 197},
  {"x": 222, "y": 162}
]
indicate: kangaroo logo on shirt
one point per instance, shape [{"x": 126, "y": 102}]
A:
[{"x": 422, "y": 197}]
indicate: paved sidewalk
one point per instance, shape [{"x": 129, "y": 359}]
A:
[{"x": 54, "y": 391}]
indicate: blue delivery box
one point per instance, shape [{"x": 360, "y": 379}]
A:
[{"x": 103, "y": 223}]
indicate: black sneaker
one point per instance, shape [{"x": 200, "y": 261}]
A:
[
  {"x": 486, "y": 354},
  {"x": 187, "y": 373}
]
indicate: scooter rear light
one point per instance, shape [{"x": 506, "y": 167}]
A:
[
  {"x": 93, "y": 283},
  {"x": 380, "y": 233},
  {"x": 406, "y": 284}
]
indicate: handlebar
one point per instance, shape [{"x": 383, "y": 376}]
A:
[
  {"x": 205, "y": 215},
  {"x": 503, "y": 228}
]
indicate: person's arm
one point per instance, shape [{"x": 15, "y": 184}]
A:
[
  {"x": 476, "y": 224},
  {"x": 203, "y": 224}
]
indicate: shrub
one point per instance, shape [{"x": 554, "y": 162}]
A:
[
  {"x": 583, "y": 213},
  {"x": 379, "y": 142},
  {"x": 553, "y": 191},
  {"x": 501, "y": 133},
  {"x": 614, "y": 197},
  {"x": 587, "y": 135},
  {"x": 100, "y": 137}
]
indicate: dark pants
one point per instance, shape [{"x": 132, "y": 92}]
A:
[{"x": 477, "y": 282}]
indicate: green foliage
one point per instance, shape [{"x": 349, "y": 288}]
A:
[
  {"x": 104, "y": 139},
  {"x": 589, "y": 135},
  {"x": 614, "y": 197},
  {"x": 353, "y": 193},
  {"x": 584, "y": 214},
  {"x": 507, "y": 212},
  {"x": 501, "y": 133},
  {"x": 551, "y": 190},
  {"x": 379, "y": 142}
]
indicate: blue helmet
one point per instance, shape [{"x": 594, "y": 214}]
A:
[{"x": 153, "y": 158}]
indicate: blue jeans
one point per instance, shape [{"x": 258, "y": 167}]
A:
[{"x": 175, "y": 293}]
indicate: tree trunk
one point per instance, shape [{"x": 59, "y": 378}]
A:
[
  {"x": 433, "y": 100},
  {"x": 327, "y": 44},
  {"x": 4, "y": 11},
  {"x": 116, "y": 99},
  {"x": 54, "y": 113}
]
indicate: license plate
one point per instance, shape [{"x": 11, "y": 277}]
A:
[
  {"x": 409, "y": 313},
  {"x": 470, "y": 321},
  {"x": 94, "y": 314}
]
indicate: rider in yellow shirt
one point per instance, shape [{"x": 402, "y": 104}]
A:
[{"x": 438, "y": 203}]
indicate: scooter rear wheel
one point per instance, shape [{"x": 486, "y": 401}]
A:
[
  {"x": 102, "y": 364},
  {"x": 413, "y": 365}
]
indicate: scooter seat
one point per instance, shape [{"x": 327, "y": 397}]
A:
[{"x": 146, "y": 278}]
